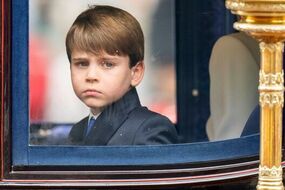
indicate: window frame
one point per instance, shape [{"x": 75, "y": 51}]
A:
[{"x": 183, "y": 167}]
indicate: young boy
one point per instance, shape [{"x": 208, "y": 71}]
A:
[{"x": 105, "y": 47}]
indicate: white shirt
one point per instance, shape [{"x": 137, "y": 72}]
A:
[{"x": 92, "y": 115}]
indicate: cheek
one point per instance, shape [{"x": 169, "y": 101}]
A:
[
  {"x": 75, "y": 80},
  {"x": 124, "y": 80},
  {"x": 120, "y": 83}
]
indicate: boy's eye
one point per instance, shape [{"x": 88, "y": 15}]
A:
[
  {"x": 81, "y": 64},
  {"x": 107, "y": 64}
]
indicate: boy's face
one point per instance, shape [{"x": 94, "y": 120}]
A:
[{"x": 99, "y": 80}]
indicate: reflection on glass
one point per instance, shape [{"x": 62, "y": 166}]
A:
[{"x": 53, "y": 106}]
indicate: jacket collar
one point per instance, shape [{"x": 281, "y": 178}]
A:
[{"x": 112, "y": 118}]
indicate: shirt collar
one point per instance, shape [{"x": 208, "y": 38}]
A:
[{"x": 92, "y": 115}]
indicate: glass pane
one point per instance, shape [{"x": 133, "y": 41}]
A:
[{"x": 54, "y": 107}]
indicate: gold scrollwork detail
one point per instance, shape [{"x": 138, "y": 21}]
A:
[
  {"x": 274, "y": 172},
  {"x": 272, "y": 47},
  {"x": 271, "y": 99},
  {"x": 270, "y": 81},
  {"x": 258, "y": 28},
  {"x": 255, "y": 6}
]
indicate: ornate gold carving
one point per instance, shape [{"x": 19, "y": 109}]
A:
[
  {"x": 270, "y": 178},
  {"x": 258, "y": 28},
  {"x": 271, "y": 99},
  {"x": 265, "y": 21},
  {"x": 253, "y": 6},
  {"x": 272, "y": 47},
  {"x": 264, "y": 171},
  {"x": 270, "y": 81}
]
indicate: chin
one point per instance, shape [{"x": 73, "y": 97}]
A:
[{"x": 95, "y": 105}]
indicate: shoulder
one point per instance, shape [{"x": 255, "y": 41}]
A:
[
  {"x": 75, "y": 136},
  {"x": 78, "y": 127},
  {"x": 80, "y": 123},
  {"x": 236, "y": 41},
  {"x": 154, "y": 128},
  {"x": 228, "y": 42},
  {"x": 233, "y": 52},
  {"x": 146, "y": 115}
]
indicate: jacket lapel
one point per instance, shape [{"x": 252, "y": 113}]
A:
[
  {"x": 110, "y": 120},
  {"x": 76, "y": 135},
  {"x": 104, "y": 129}
]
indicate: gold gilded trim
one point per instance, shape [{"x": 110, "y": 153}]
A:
[
  {"x": 265, "y": 171},
  {"x": 254, "y": 6},
  {"x": 271, "y": 99},
  {"x": 270, "y": 178},
  {"x": 270, "y": 81},
  {"x": 272, "y": 47},
  {"x": 264, "y": 20},
  {"x": 258, "y": 28}
]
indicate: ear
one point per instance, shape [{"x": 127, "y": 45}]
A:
[{"x": 137, "y": 73}]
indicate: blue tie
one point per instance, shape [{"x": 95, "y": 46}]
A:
[{"x": 90, "y": 125}]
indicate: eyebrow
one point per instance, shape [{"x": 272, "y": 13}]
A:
[
  {"x": 78, "y": 59},
  {"x": 100, "y": 57},
  {"x": 108, "y": 57}
]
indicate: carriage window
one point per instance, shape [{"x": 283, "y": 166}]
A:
[
  {"x": 193, "y": 43},
  {"x": 54, "y": 107},
  {"x": 192, "y": 72}
]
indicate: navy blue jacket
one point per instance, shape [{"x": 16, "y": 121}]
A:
[
  {"x": 253, "y": 122},
  {"x": 125, "y": 122}
]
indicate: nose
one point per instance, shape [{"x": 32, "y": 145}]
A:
[{"x": 92, "y": 74}]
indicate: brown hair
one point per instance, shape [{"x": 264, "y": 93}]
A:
[{"x": 109, "y": 29}]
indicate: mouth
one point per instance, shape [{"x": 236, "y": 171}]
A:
[{"x": 92, "y": 92}]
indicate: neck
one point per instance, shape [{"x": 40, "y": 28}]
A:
[{"x": 96, "y": 111}]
